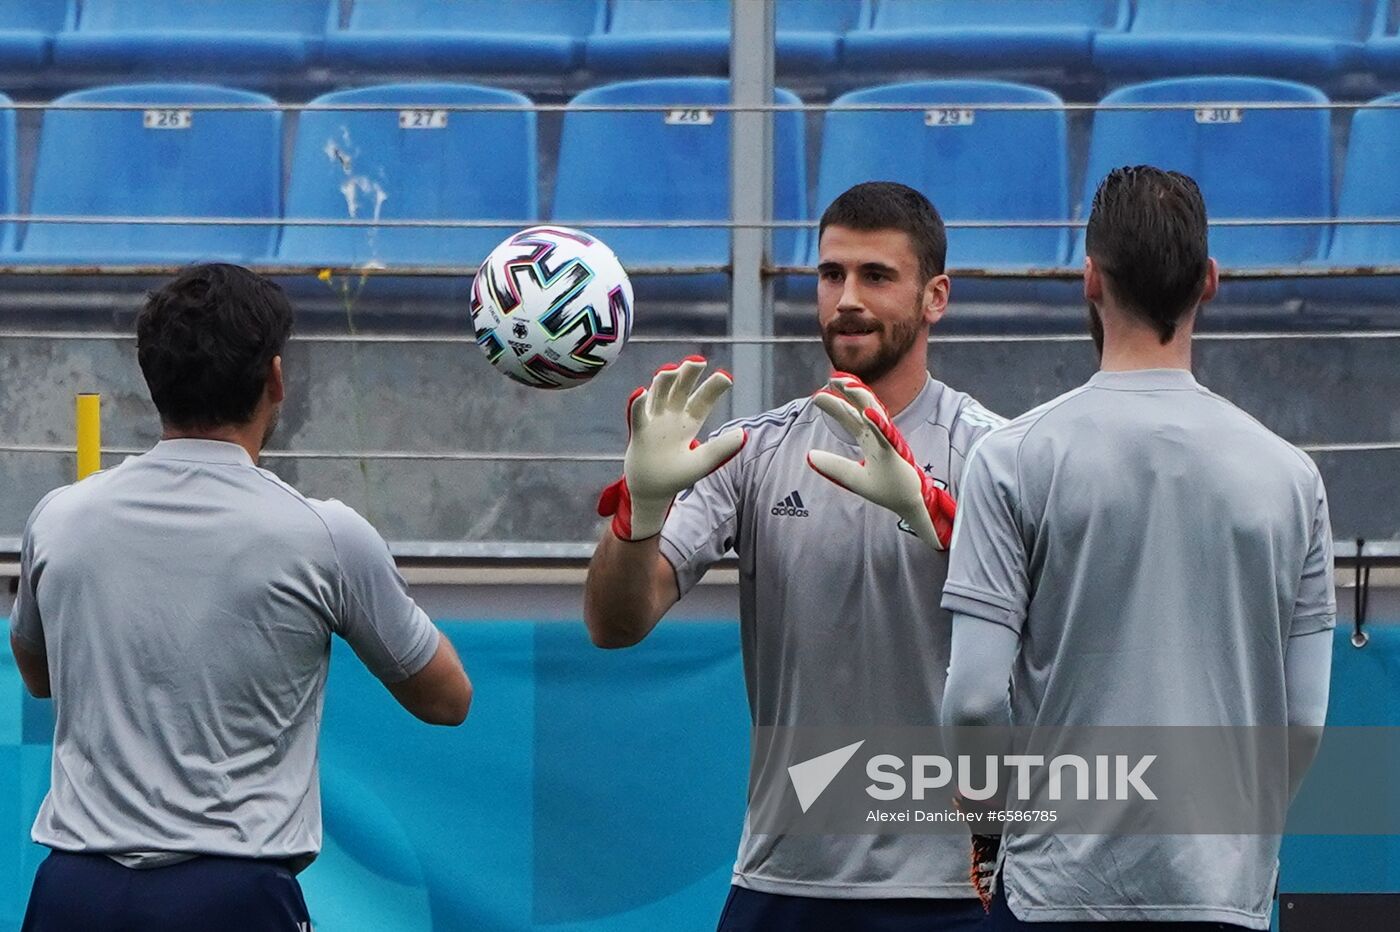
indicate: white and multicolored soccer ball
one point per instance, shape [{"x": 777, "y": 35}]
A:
[{"x": 551, "y": 307}]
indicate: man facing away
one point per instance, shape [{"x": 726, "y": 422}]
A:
[
  {"x": 839, "y": 614},
  {"x": 1140, "y": 552},
  {"x": 179, "y": 608}
]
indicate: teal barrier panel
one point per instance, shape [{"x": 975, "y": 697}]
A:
[
  {"x": 26, "y": 733},
  {"x": 589, "y": 790},
  {"x": 1365, "y": 691}
]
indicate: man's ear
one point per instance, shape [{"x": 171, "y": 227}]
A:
[
  {"x": 1212, "y": 285},
  {"x": 935, "y": 298},
  {"x": 276, "y": 389},
  {"x": 1093, "y": 281}
]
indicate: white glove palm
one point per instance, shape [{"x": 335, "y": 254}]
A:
[
  {"x": 663, "y": 456},
  {"x": 888, "y": 475}
]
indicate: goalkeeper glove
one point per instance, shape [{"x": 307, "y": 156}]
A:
[
  {"x": 663, "y": 455},
  {"x": 888, "y": 475}
]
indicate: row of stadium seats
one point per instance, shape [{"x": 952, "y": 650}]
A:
[
  {"x": 418, "y": 158},
  {"x": 1303, "y": 38}
]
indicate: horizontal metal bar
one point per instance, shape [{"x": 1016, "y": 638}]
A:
[
  {"x": 727, "y": 340},
  {"x": 572, "y": 551},
  {"x": 466, "y": 456},
  {"x": 502, "y": 456},
  {"x": 1049, "y": 273},
  {"x": 649, "y": 224},
  {"x": 1379, "y": 446},
  {"x": 405, "y": 271},
  {"x": 1372, "y": 549},
  {"x": 323, "y": 107}
]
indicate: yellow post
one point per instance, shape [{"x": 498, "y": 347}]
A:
[{"x": 89, "y": 434}]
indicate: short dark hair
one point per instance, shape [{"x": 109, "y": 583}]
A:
[
  {"x": 889, "y": 205},
  {"x": 1147, "y": 234},
  {"x": 205, "y": 341}
]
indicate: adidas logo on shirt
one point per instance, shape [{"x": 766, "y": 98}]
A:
[{"x": 790, "y": 507}]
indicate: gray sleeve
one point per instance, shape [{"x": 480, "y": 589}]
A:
[
  {"x": 1307, "y": 677},
  {"x": 1315, "y": 608},
  {"x": 390, "y": 634},
  {"x": 987, "y": 573},
  {"x": 703, "y": 524},
  {"x": 26, "y": 627},
  {"x": 978, "y": 692}
]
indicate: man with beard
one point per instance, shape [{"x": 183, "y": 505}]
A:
[
  {"x": 1140, "y": 552},
  {"x": 839, "y": 598},
  {"x": 178, "y": 608}
]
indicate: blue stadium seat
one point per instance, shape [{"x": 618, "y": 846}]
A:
[
  {"x": 1307, "y": 39},
  {"x": 380, "y": 165},
  {"x": 973, "y": 164},
  {"x": 513, "y": 36},
  {"x": 9, "y": 173},
  {"x": 975, "y": 35},
  {"x": 692, "y": 36},
  {"x": 1382, "y": 52},
  {"x": 1370, "y": 188},
  {"x": 671, "y": 164},
  {"x": 156, "y": 161},
  {"x": 1249, "y": 163},
  {"x": 196, "y": 35},
  {"x": 27, "y": 28}
]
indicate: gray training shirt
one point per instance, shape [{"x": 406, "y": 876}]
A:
[
  {"x": 840, "y": 621},
  {"x": 1154, "y": 547},
  {"x": 186, "y": 600}
]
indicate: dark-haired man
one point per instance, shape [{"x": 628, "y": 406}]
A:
[
  {"x": 1141, "y": 552},
  {"x": 838, "y": 599},
  {"x": 178, "y": 608}
]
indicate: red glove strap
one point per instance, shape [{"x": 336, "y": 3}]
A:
[
  {"x": 616, "y": 501},
  {"x": 941, "y": 507}
]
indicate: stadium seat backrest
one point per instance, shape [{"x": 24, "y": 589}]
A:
[
  {"x": 649, "y": 16},
  {"x": 1337, "y": 19},
  {"x": 43, "y": 15},
  {"x": 296, "y": 16},
  {"x": 709, "y": 15},
  {"x": 1370, "y": 188},
  {"x": 410, "y": 162},
  {"x": 931, "y": 14},
  {"x": 1249, "y": 163},
  {"x": 974, "y": 164},
  {"x": 157, "y": 160},
  {"x": 818, "y": 15},
  {"x": 557, "y": 17},
  {"x": 9, "y": 200},
  {"x": 671, "y": 163}
]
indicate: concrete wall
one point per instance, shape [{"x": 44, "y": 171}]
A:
[{"x": 443, "y": 396}]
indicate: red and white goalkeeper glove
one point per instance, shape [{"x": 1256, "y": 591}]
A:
[
  {"x": 664, "y": 458},
  {"x": 983, "y": 868},
  {"x": 888, "y": 475}
]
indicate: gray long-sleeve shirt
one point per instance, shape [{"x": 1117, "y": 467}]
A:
[{"x": 1153, "y": 549}]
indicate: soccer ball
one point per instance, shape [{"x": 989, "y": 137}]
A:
[{"x": 551, "y": 307}]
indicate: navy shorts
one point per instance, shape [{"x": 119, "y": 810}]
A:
[
  {"x": 93, "y": 893},
  {"x": 752, "y": 911}
]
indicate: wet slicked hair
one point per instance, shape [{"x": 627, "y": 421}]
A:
[
  {"x": 1147, "y": 234},
  {"x": 889, "y": 205}
]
